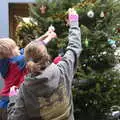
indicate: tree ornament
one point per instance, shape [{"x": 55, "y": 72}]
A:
[
  {"x": 51, "y": 28},
  {"x": 43, "y": 9},
  {"x": 112, "y": 43},
  {"x": 86, "y": 42},
  {"x": 113, "y": 46},
  {"x": 102, "y": 14},
  {"x": 90, "y": 14}
]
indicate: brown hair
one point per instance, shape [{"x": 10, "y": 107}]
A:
[
  {"x": 36, "y": 56},
  {"x": 6, "y": 47}
]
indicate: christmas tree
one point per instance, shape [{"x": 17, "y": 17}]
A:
[{"x": 96, "y": 85}]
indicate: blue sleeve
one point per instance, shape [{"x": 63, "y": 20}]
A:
[
  {"x": 19, "y": 60},
  {"x": 22, "y": 51},
  {"x": 4, "y": 67}
]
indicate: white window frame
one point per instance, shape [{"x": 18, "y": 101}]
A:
[{"x": 4, "y": 15}]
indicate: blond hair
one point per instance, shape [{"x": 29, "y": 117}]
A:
[
  {"x": 6, "y": 47},
  {"x": 36, "y": 56}
]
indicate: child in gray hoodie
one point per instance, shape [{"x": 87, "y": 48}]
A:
[{"x": 46, "y": 92}]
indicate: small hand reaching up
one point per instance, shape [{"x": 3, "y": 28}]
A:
[
  {"x": 48, "y": 36},
  {"x": 51, "y": 36},
  {"x": 50, "y": 29}
]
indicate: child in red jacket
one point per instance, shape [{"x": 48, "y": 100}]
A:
[{"x": 13, "y": 67}]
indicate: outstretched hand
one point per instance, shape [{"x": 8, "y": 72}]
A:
[
  {"x": 50, "y": 30},
  {"x": 48, "y": 36},
  {"x": 52, "y": 35}
]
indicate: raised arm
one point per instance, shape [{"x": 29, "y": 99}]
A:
[
  {"x": 74, "y": 33},
  {"x": 69, "y": 60}
]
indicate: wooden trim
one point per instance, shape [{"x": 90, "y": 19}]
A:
[{"x": 16, "y": 9}]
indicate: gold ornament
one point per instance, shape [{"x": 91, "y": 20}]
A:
[
  {"x": 84, "y": 3},
  {"x": 78, "y": 6}
]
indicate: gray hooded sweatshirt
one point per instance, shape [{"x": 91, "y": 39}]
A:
[{"x": 48, "y": 96}]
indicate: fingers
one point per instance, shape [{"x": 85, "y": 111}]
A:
[
  {"x": 51, "y": 28},
  {"x": 72, "y": 11},
  {"x": 53, "y": 35},
  {"x": 51, "y": 32}
]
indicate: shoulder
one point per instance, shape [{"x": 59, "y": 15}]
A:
[{"x": 18, "y": 60}]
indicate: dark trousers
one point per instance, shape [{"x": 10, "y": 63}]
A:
[{"x": 3, "y": 113}]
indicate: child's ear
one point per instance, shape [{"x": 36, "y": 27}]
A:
[{"x": 15, "y": 51}]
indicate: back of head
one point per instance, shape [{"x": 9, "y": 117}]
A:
[
  {"x": 36, "y": 56},
  {"x": 6, "y": 47}
]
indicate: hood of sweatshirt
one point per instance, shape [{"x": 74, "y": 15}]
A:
[
  {"x": 43, "y": 84},
  {"x": 41, "y": 90},
  {"x": 45, "y": 95}
]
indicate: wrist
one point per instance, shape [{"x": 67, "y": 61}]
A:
[
  {"x": 74, "y": 23},
  {"x": 45, "y": 41}
]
